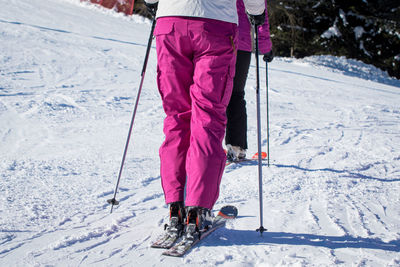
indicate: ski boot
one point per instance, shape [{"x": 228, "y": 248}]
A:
[
  {"x": 235, "y": 153},
  {"x": 198, "y": 220},
  {"x": 176, "y": 218}
]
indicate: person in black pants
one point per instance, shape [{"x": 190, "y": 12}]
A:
[{"x": 236, "y": 130}]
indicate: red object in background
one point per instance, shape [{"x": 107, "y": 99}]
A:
[
  {"x": 263, "y": 155},
  {"x": 124, "y": 6}
]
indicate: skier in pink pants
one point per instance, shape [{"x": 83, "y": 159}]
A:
[{"x": 196, "y": 54}]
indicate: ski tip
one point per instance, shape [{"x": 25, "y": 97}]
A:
[
  {"x": 263, "y": 155},
  {"x": 228, "y": 212}
]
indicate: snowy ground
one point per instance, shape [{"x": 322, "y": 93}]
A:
[{"x": 69, "y": 75}]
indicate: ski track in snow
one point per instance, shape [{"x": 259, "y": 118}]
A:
[{"x": 68, "y": 82}]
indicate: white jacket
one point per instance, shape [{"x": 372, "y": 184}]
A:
[{"x": 224, "y": 10}]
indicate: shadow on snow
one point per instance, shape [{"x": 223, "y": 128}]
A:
[
  {"x": 69, "y": 32},
  {"x": 248, "y": 238},
  {"x": 348, "y": 174}
]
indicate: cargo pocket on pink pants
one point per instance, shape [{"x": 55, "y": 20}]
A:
[
  {"x": 163, "y": 28},
  {"x": 228, "y": 86}
]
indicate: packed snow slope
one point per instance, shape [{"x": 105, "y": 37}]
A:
[{"x": 69, "y": 75}]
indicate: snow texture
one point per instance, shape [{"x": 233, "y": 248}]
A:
[
  {"x": 68, "y": 81},
  {"x": 333, "y": 31}
]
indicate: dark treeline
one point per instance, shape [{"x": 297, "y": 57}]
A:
[{"x": 359, "y": 29}]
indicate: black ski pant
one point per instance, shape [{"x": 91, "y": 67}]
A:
[{"x": 236, "y": 129}]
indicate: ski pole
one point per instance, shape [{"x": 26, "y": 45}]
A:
[
  {"x": 114, "y": 201},
  {"x": 261, "y": 229},
  {"x": 266, "y": 78}
]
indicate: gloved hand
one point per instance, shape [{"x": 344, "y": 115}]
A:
[
  {"x": 152, "y": 8},
  {"x": 268, "y": 57},
  {"x": 257, "y": 20}
]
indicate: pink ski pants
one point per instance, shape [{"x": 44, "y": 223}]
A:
[{"x": 196, "y": 64}]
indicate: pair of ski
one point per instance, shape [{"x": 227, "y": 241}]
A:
[
  {"x": 178, "y": 246},
  {"x": 253, "y": 158}
]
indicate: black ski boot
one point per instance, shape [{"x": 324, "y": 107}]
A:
[
  {"x": 198, "y": 220},
  {"x": 174, "y": 230},
  {"x": 176, "y": 218}
]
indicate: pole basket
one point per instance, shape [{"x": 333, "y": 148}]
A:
[{"x": 113, "y": 201}]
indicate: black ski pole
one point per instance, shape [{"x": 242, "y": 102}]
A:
[
  {"x": 114, "y": 201},
  {"x": 266, "y": 78},
  {"x": 261, "y": 229}
]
